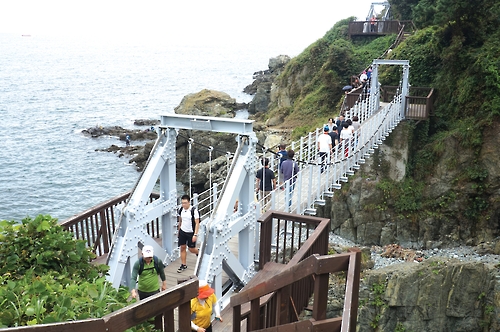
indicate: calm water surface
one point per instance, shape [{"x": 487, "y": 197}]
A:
[{"x": 51, "y": 88}]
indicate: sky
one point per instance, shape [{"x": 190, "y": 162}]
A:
[{"x": 267, "y": 21}]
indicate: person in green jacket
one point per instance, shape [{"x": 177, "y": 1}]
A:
[{"x": 147, "y": 268}]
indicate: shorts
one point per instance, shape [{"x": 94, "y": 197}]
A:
[
  {"x": 143, "y": 295},
  {"x": 186, "y": 238}
]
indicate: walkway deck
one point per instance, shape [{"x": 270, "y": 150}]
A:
[{"x": 173, "y": 277}]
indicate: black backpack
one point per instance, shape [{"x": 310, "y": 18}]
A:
[
  {"x": 158, "y": 265},
  {"x": 192, "y": 216}
]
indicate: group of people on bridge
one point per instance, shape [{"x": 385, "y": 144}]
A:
[{"x": 148, "y": 268}]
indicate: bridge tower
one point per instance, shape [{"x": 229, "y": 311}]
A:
[{"x": 215, "y": 255}]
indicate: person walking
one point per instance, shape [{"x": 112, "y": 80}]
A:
[
  {"x": 188, "y": 225},
  {"x": 147, "y": 268},
  {"x": 265, "y": 183},
  {"x": 283, "y": 156},
  {"x": 324, "y": 147},
  {"x": 202, "y": 307},
  {"x": 290, "y": 170}
]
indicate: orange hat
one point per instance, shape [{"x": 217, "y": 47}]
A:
[{"x": 204, "y": 290}]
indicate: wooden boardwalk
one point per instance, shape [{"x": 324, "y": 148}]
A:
[{"x": 173, "y": 278}]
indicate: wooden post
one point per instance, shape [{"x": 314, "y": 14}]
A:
[
  {"x": 254, "y": 317},
  {"x": 237, "y": 318},
  {"x": 320, "y": 296},
  {"x": 185, "y": 317},
  {"x": 283, "y": 305},
  {"x": 168, "y": 320},
  {"x": 104, "y": 231}
]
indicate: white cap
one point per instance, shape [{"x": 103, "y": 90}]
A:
[{"x": 147, "y": 251}]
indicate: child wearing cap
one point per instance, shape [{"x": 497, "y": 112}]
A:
[{"x": 202, "y": 307}]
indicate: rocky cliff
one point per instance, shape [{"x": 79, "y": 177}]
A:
[
  {"x": 437, "y": 295},
  {"x": 381, "y": 205}
]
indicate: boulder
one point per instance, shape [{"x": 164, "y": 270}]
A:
[
  {"x": 146, "y": 122},
  {"x": 209, "y": 103}
]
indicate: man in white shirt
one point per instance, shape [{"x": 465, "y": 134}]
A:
[
  {"x": 345, "y": 138},
  {"x": 324, "y": 146},
  {"x": 188, "y": 226}
]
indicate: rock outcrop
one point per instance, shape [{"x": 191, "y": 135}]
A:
[
  {"x": 121, "y": 133},
  {"x": 262, "y": 84},
  {"x": 209, "y": 103},
  {"x": 367, "y": 212},
  {"x": 436, "y": 295}
]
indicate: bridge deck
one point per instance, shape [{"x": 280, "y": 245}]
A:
[{"x": 173, "y": 277}]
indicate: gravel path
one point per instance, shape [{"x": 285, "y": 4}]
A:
[{"x": 462, "y": 253}]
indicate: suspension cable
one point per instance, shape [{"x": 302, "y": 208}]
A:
[
  {"x": 190, "y": 143},
  {"x": 210, "y": 148}
]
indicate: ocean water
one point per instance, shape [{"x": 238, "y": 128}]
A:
[{"x": 51, "y": 88}]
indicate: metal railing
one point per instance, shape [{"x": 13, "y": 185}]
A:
[{"x": 160, "y": 306}]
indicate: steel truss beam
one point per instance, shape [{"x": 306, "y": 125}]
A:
[{"x": 224, "y": 224}]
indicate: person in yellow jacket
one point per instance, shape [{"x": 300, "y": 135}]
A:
[{"x": 202, "y": 308}]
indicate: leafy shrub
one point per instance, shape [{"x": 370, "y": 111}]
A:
[
  {"x": 46, "y": 276},
  {"x": 42, "y": 245}
]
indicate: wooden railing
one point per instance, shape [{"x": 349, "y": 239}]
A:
[
  {"x": 353, "y": 97},
  {"x": 296, "y": 237},
  {"x": 317, "y": 269},
  {"x": 160, "y": 306},
  {"x": 357, "y": 28},
  {"x": 97, "y": 225},
  {"x": 420, "y": 105}
]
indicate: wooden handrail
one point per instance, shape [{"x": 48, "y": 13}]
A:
[
  {"x": 318, "y": 266},
  {"x": 162, "y": 303},
  {"x": 97, "y": 224}
]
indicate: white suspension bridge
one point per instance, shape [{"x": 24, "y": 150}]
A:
[{"x": 220, "y": 221}]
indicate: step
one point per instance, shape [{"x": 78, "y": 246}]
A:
[
  {"x": 361, "y": 161},
  {"x": 337, "y": 186},
  {"x": 375, "y": 146},
  {"x": 356, "y": 167},
  {"x": 328, "y": 194},
  {"x": 320, "y": 202},
  {"x": 349, "y": 172},
  {"x": 371, "y": 150},
  {"x": 310, "y": 212},
  {"x": 344, "y": 179},
  {"x": 379, "y": 141}
]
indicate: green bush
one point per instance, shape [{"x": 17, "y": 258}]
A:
[{"x": 46, "y": 276}]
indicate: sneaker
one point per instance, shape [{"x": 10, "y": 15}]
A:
[{"x": 182, "y": 268}]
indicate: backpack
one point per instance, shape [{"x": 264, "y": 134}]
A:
[
  {"x": 283, "y": 156},
  {"x": 156, "y": 262},
  {"x": 192, "y": 216}
]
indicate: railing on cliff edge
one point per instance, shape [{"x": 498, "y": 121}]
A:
[
  {"x": 160, "y": 306},
  {"x": 276, "y": 304},
  {"x": 419, "y": 105}
]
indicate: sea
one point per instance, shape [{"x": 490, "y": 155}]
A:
[{"x": 53, "y": 87}]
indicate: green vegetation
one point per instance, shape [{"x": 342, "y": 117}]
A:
[
  {"x": 46, "y": 276},
  {"x": 456, "y": 51},
  {"x": 315, "y": 78},
  {"x": 377, "y": 292}
]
